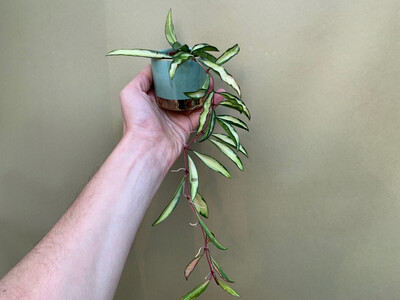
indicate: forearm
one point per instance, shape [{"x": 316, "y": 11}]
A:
[{"x": 82, "y": 257}]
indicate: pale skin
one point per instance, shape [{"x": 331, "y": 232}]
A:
[{"x": 83, "y": 255}]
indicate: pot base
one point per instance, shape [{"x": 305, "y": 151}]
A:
[{"x": 179, "y": 105}]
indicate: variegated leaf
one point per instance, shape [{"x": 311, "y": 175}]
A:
[
  {"x": 206, "y": 109},
  {"x": 223, "y": 74},
  {"x": 231, "y": 104},
  {"x": 178, "y": 60},
  {"x": 193, "y": 179},
  {"x": 139, "y": 53},
  {"x": 228, "y": 54},
  {"x": 210, "y": 126},
  {"x": 228, "y": 152},
  {"x": 201, "y": 93},
  {"x": 171, "y": 205},
  {"x": 230, "y": 131},
  {"x": 197, "y": 291},
  {"x": 203, "y": 47},
  {"x": 213, "y": 164},
  {"x": 169, "y": 29},
  {"x": 238, "y": 101},
  {"x": 200, "y": 205},
  {"x": 229, "y": 142},
  {"x": 233, "y": 121},
  {"x": 209, "y": 234}
]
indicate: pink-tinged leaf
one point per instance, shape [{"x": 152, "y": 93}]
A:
[{"x": 191, "y": 265}]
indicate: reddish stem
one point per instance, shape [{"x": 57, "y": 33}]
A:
[{"x": 185, "y": 155}]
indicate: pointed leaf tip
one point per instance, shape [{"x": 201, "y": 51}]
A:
[
  {"x": 169, "y": 29},
  {"x": 197, "y": 291},
  {"x": 227, "y": 288},
  {"x": 201, "y": 205},
  {"x": 139, "y": 53},
  {"x": 191, "y": 265},
  {"x": 228, "y": 152},
  {"x": 171, "y": 205},
  {"x": 209, "y": 234},
  {"x": 228, "y": 54},
  {"x": 220, "y": 272},
  {"x": 213, "y": 164}
]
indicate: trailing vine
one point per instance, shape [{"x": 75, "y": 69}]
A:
[{"x": 229, "y": 144}]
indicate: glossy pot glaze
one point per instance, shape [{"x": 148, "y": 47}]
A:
[{"x": 189, "y": 77}]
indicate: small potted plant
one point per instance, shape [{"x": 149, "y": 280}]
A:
[{"x": 183, "y": 81}]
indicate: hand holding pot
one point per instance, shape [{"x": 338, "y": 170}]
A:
[{"x": 143, "y": 118}]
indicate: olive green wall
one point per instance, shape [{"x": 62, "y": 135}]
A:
[{"x": 316, "y": 213}]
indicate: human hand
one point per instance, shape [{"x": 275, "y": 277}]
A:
[{"x": 142, "y": 118}]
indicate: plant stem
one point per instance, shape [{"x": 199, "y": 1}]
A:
[{"x": 187, "y": 184}]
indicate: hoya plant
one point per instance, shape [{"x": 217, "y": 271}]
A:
[{"x": 228, "y": 142}]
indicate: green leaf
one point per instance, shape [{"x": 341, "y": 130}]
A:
[
  {"x": 206, "y": 109},
  {"x": 201, "y": 205},
  {"x": 209, "y": 234},
  {"x": 235, "y": 100},
  {"x": 193, "y": 179},
  {"x": 139, "y": 53},
  {"x": 234, "y": 121},
  {"x": 210, "y": 126},
  {"x": 184, "y": 48},
  {"x": 197, "y": 291},
  {"x": 171, "y": 205},
  {"x": 230, "y": 131},
  {"x": 201, "y": 93},
  {"x": 191, "y": 265},
  {"x": 213, "y": 164},
  {"x": 228, "y": 152},
  {"x": 223, "y": 74},
  {"x": 203, "y": 47},
  {"x": 206, "y": 56},
  {"x": 178, "y": 60},
  {"x": 228, "y": 54},
  {"x": 176, "y": 46},
  {"x": 229, "y": 142},
  {"x": 227, "y": 288},
  {"x": 169, "y": 29},
  {"x": 206, "y": 83},
  {"x": 220, "y": 271}
]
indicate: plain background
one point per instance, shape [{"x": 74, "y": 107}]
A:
[{"x": 315, "y": 215}]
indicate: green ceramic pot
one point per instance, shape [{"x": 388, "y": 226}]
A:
[{"x": 189, "y": 77}]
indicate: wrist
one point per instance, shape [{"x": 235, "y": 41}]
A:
[{"x": 159, "y": 153}]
